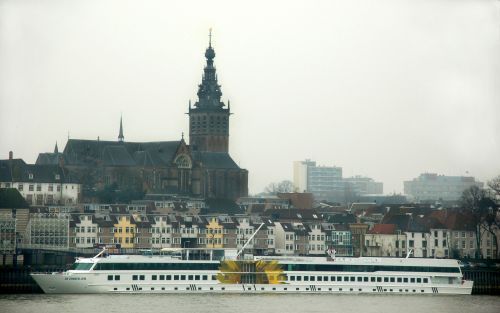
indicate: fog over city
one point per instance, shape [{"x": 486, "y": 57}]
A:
[{"x": 387, "y": 89}]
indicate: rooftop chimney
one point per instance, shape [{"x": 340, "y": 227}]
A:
[{"x": 11, "y": 155}]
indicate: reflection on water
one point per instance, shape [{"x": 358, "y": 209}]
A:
[{"x": 276, "y": 303}]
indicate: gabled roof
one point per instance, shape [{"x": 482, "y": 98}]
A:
[
  {"x": 402, "y": 221},
  {"x": 116, "y": 156},
  {"x": 417, "y": 225},
  {"x": 460, "y": 221},
  {"x": 215, "y": 160},
  {"x": 342, "y": 218},
  {"x": 361, "y": 206},
  {"x": 16, "y": 170},
  {"x": 84, "y": 152},
  {"x": 10, "y": 198},
  {"x": 49, "y": 158},
  {"x": 342, "y": 227},
  {"x": 294, "y": 214},
  {"x": 383, "y": 229}
]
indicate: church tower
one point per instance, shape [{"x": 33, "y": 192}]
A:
[{"x": 209, "y": 119}]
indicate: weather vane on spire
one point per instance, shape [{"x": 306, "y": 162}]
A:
[{"x": 210, "y": 37}]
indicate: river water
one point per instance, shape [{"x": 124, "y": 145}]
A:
[{"x": 277, "y": 303}]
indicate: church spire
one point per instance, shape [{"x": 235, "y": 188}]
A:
[
  {"x": 56, "y": 150},
  {"x": 209, "y": 93},
  {"x": 120, "y": 135}
]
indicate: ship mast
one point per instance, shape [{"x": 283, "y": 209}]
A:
[{"x": 248, "y": 241}]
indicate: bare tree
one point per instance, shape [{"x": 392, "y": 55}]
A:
[
  {"x": 281, "y": 187},
  {"x": 483, "y": 208},
  {"x": 494, "y": 184},
  {"x": 471, "y": 197}
]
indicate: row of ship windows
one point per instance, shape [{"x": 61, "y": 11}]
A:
[
  {"x": 313, "y": 288},
  {"x": 360, "y": 279},
  {"x": 291, "y": 278},
  {"x": 166, "y": 277}
]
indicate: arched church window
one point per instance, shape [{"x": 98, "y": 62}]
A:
[{"x": 183, "y": 161}]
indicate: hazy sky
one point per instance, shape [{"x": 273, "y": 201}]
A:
[{"x": 386, "y": 89}]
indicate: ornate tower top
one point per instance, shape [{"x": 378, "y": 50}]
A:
[
  {"x": 209, "y": 92},
  {"x": 120, "y": 135}
]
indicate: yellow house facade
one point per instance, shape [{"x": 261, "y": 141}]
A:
[
  {"x": 124, "y": 232},
  {"x": 215, "y": 233}
]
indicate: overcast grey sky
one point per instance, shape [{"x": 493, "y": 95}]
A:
[{"x": 384, "y": 88}]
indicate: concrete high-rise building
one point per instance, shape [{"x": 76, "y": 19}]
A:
[
  {"x": 364, "y": 185},
  {"x": 431, "y": 186},
  {"x": 324, "y": 182}
]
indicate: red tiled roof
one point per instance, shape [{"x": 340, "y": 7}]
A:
[{"x": 386, "y": 229}]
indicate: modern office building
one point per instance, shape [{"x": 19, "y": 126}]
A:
[
  {"x": 322, "y": 181},
  {"x": 434, "y": 187}
]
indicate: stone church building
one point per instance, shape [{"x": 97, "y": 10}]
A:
[{"x": 203, "y": 168}]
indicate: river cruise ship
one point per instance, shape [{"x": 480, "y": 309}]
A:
[{"x": 226, "y": 271}]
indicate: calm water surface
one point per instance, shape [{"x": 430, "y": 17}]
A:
[{"x": 206, "y": 303}]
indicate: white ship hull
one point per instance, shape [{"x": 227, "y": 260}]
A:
[
  {"x": 93, "y": 283},
  {"x": 160, "y": 274}
]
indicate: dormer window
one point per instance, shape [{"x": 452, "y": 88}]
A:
[
  {"x": 58, "y": 177},
  {"x": 30, "y": 175}
]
